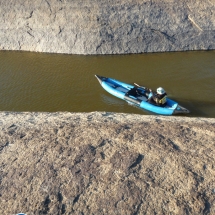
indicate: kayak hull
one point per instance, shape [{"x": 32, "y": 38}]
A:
[{"x": 123, "y": 91}]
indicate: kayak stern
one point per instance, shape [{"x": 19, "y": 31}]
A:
[{"x": 180, "y": 109}]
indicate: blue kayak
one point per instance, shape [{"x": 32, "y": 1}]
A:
[{"x": 138, "y": 96}]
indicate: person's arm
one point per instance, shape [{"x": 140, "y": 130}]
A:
[
  {"x": 150, "y": 92},
  {"x": 156, "y": 99}
]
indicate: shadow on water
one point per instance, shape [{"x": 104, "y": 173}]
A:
[{"x": 196, "y": 108}]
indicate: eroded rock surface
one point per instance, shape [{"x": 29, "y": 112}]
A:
[
  {"x": 107, "y": 26},
  {"x": 106, "y": 163}
]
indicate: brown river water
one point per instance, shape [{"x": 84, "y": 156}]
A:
[{"x": 57, "y": 82}]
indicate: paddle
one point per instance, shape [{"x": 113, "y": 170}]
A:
[{"x": 139, "y": 86}]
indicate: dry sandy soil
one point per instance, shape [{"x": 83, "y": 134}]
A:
[{"x": 106, "y": 163}]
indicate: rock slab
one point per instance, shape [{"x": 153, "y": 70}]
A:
[{"x": 107, "y": 26}]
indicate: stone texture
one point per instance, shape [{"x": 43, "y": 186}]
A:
[
  {"x": 107, "y": 26},
  {"x": 106, "y": 163}
]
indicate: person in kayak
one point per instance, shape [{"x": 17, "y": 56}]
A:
[{"x": 158, "y": 97}]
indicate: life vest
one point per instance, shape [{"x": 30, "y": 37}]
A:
[{"x": 162, "y": 100}]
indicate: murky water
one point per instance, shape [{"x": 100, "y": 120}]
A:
[{"x": 53, "y": 82}]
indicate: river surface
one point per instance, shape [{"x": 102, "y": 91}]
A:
[{"x": 56, "y": 82}]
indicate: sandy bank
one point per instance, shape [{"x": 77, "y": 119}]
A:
[
  {"x": 106, "y": 163},
  {"x": 107, "y": 27}
]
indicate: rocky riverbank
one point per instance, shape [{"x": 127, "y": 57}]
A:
[
  {"x": 106, "y": 163},
  {"x": 107, "y": 26}
]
